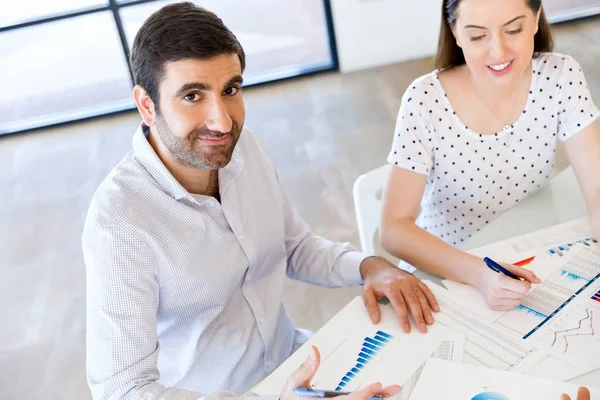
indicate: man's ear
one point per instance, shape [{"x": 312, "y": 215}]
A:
[{"x": 145, "y": 105}]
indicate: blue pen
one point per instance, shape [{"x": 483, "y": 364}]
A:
[
  {"x": 305, "y": 392},
  {"x": 494, "y": 266}
]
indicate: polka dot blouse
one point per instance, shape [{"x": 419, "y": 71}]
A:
[{"x": 472, "y": 178}]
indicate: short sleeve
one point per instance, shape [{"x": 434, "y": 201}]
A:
[
  {"x": 576, "y": 109},
  {"x": 411, "y": 148}
]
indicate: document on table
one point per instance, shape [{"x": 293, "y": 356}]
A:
[
  {"x": 565, "y": 283},
  {"x": 541, "y": 363},
  {"x": 442, "y": 379},
  {"x": 560, "y": 315},
  {"x": 485, "y": 344},
  {"x": 546, "y": 247},
  {"x": 355, "y": 352}
]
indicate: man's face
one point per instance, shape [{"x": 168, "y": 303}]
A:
[{"x": 201, "y": 110}]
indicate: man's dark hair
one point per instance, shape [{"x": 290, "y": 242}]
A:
[{"x": 176, "y": 32}]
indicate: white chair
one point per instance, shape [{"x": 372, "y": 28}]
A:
[{"x": 368, "y": 191}]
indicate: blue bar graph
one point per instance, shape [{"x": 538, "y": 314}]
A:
[
  {"x": 374, "y": 342},
  {"x": 368, "y": 351},
  {"x": 370, "y": 348}
]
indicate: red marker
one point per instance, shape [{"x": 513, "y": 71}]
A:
[{"x": 524, "y": 262}]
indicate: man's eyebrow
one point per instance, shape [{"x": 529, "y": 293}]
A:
[
  {"x": 234, "y": 80},
  {"x": 192, "y": 85}
]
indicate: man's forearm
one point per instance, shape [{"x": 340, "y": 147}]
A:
[{"x": 322, "y": 262}]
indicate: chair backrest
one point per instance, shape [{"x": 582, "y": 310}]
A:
[{"x": 367, "y": 191}]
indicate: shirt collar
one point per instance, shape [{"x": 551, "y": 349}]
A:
[{"x": 146, "y": 155}]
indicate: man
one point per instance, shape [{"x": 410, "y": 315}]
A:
[{"x": 188, "y": 240}]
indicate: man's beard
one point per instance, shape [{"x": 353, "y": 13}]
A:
[{"x": 190, "y": 150}]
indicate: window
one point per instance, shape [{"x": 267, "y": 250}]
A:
[
  {"x": 62, "y": 70},
  {"x": 66, "y": 60}
]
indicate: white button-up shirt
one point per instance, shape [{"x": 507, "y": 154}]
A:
[{"x": 184, "y": 294}]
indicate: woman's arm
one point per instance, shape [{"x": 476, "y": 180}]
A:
[{"x": 402, "y": 238}]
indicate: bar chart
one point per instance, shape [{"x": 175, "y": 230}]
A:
[{"x": 369, "y": 350}]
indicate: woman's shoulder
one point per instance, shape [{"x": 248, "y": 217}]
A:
[
  {"x": 554, "y": 64},
  {"x": 424, "y": 89},
  {"x": 552, "y": 57}
]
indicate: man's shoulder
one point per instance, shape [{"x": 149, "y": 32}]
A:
[{"x": 120, "y": 195}]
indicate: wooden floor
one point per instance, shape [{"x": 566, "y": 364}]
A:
[{"x": 321, "y": 133}]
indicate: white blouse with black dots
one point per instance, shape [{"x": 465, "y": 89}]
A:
[{"x": 472, "y": 178}]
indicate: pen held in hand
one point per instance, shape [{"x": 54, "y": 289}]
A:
[
  {"x": 494, "y": 266},
  {"x": 305, "y": 392}
]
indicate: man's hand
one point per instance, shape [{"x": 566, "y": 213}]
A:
[
  {"x": 303, "y": 375},
  {"x": 403, "y": 290},
  {"x": 582, "y": 394}
]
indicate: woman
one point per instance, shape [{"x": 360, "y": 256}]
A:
[{"x": 479, "y": 134}]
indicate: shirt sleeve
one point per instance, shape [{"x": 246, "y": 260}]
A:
[
  {"x": 576, "y": 109},
  {"x": 122, "y": 302},
  {"x": 411, "y": 148}
]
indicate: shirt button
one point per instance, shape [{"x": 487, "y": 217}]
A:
[
  {"x": 269, "y": 364},
  {"x": 262, "y": 319}
]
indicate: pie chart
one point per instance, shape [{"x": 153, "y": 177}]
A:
[{"x": 490, "y": 396}]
